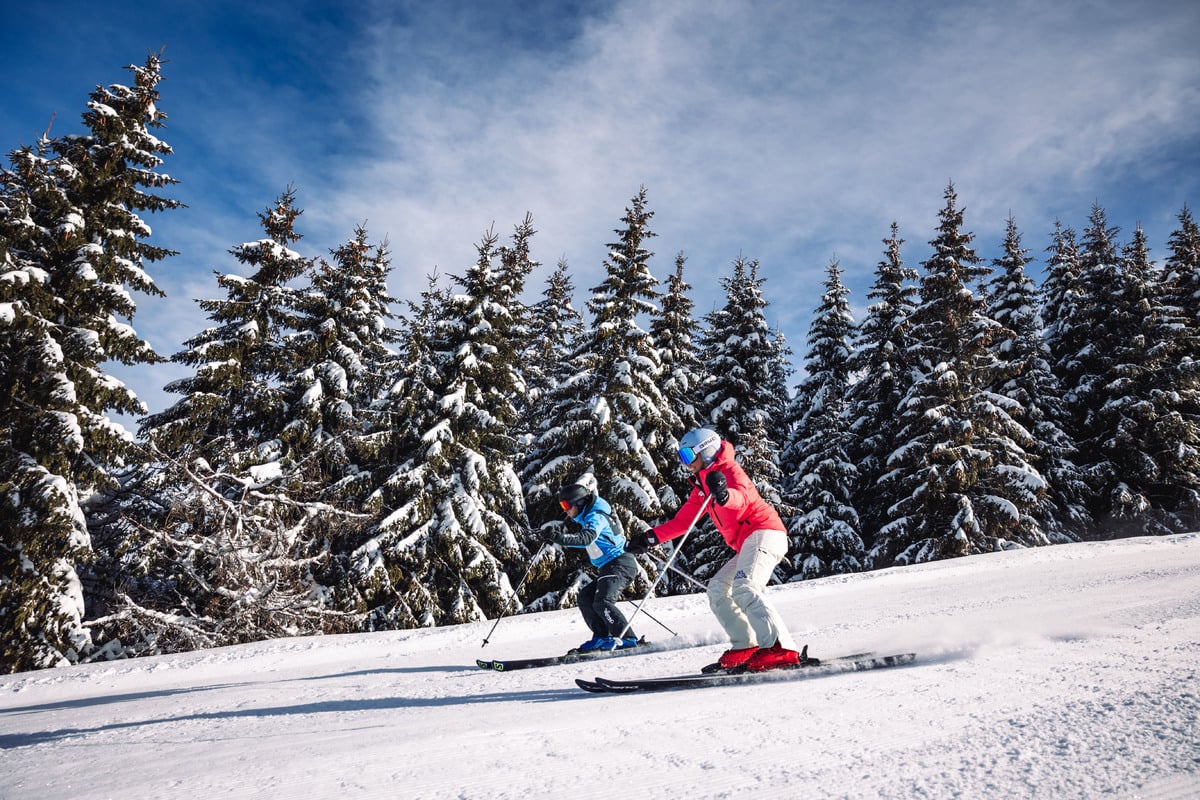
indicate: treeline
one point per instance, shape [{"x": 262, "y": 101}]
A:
[{"x": 341, "y": 461}]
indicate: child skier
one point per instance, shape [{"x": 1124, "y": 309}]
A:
[{"x": 605, "y": 546}]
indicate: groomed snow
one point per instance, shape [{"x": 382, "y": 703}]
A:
[{"x": 1059, "y": 672}]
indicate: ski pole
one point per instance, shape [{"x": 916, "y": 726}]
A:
[
  {"x": 661, "y": 624},
  {"x": 680, "y": 573},
  {"x": 678, "y": 547},
  {"x": 516, "y": 592}
]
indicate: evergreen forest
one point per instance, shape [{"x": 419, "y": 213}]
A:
[{"x": 338, "y": 460}]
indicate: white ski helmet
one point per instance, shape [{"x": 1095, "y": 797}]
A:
[{"x": 699, "y": 443}]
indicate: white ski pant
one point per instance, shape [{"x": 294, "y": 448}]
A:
[{"x": 737, "y": 594}]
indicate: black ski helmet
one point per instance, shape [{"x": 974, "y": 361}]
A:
[{"x": 575, "y": 494}]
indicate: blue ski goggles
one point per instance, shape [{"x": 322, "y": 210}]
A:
[{"x": 687, "y": 455}]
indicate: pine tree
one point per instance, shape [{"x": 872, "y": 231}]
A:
[
  {"x": 46, "y": 539},
  {"x": 779, "y": 427},
  {"x": 382, "y": 575},
  {"x": 75, "y": 250},
  {"x": 1062, "y": 307},
  {"x": 743, "y": 370},
  {"x": 964, "y": 481},
  {"x": 1111, "y": 352},
  {"x": 558, "y": 325},
  {"x": 881, "y": 362},
  {"x": 233, "y": 408},
  {"x": 824, "y": 535},
  {"x": 1182, "y": 278},
  {"x": 1083, "y": 323},
  {"x": 675, "y": 333},
  {"x": 739, "y": 350},
  {"x": 609, "y": 416},
  {"x": 1180, "y": 362},
  {"x": 246, "y": 544},
  {"x": 1027, "y": 378},
  {"x": 459, "y": 521},
  {"x": 340, "y": 349},
  {"x": 1084, "y": 335},
  {"x": 1141, "y": 424},
  {"x": 516, "y": 265}
]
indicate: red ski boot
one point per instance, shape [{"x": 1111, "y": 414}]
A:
[
  {"x": 732, "y": 659},
  {"x": 772, "y": 657}
]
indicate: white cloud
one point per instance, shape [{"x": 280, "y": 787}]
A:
[
  {"x": 770, "y": 129},
  {"x": 788, "y": 132}
]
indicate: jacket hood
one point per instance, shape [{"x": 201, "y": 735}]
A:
[
  {"x": 599, "y": 504},
  {"x": 723, "y": 458}
]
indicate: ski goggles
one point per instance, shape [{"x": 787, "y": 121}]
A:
[
  {"x": 567, "y": 505},
  {"x": 687, "y": 455}
]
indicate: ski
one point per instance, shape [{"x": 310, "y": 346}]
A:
[
  {"x": 812, "y": 669},
  {"x": 570, "y": 657}
]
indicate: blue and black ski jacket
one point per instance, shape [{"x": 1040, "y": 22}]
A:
[{"x": 598, "y": 535}]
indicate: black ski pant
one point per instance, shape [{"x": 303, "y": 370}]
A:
[{"x": 598, "y": 600}]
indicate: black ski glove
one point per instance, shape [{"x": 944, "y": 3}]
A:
[
  {"x": 717, "y": 487},
  {"x": 641, "y": 542}
]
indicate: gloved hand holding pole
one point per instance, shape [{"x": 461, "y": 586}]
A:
[{"x": 667, "y": 566}]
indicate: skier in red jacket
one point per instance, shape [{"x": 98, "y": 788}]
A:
[{"x": 737, "y": 592}]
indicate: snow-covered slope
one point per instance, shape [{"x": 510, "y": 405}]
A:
[{"x": 1060, "y": 672}]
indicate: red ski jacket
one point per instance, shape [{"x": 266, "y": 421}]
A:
[{"x": 744, "y": 513}]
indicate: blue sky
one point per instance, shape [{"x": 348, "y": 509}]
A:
[{"x": 789, "y": 132}]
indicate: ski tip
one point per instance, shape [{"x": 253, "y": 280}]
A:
[{"x": 479, "y": 662}]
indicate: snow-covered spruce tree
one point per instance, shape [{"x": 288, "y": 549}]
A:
[
  {"x": 380, "y": 577},
  {"x": 233, "y": 408},
  {"x": 963, "y": 478},
  {"x": 557, "y": 324},
  {"x": 457, "y": 524},
  {"x": 1027, "y": 379},
  {"x": 1082, "y": 333},
  {"x": 824, "y": 534},
  {"x": 516, "y": 265},
  {"x": 1181, "y": 288},
  {"x": 675, "y": 333},
  {"x": 739, "y": 350},
  {"x": 548, "y": 368},
  {"x": 1181, "y": 281},
  {"x": 75, "y": 252},
  {"x": 342, "y": 346},
  {"x": 241, "y": 554},
  {"x": 740, "y": 356},
  {"x": 46, "y": 539},
  {"x": 1144, "y": 444},
  {"x": 609, "y": 416},
  {"x": 1062, "y": 312},
  {"x": 1180, "y": 299},
  {"x": 882, "y": 374},
  {"x": 1112, "y": 349},
  {"x": 1170, "y": 394},
  {"x": 779, "y": 427}
]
